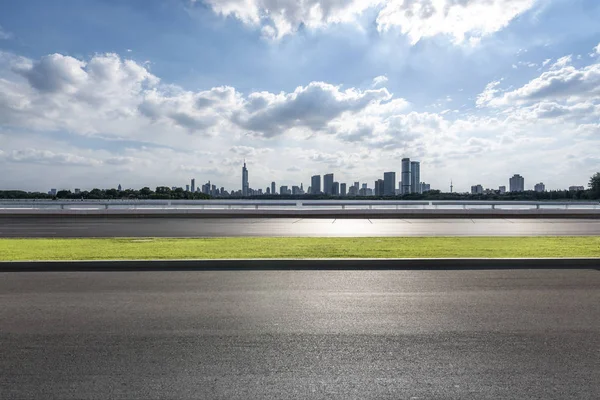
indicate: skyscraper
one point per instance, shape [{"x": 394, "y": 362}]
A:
[
  {"x": 476, "y": 189},
  {"x": 273, "y": 188},
  {"x": 415, "y": 176},
  {"x": 245, "y": 185},
  {"x": 328, "y": 183},
  {"x": 540, "y": 187},
  {"x": 342, "y": 189},
  {"x": 315, "y": 184},
  {"x": 335, "y": 189},
  {"x": 406, "y": 178},
  {"x": 389, "y": 184},
  {"x": 187, "y": 188},
  {"x": 379, "y": 187},
  {"x": 193, "y": 185},
  {"x": 516, "y": 183}
]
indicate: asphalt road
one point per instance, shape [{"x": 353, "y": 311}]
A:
[
  {"x": 494, "y": 334},
  {"x": 206, "y": 227}
]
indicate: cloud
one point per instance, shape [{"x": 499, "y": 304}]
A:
[
  {"x": 313, "y": 106},
  {"x": 462, "y": 20},
  {"x": 561, "y": 83},
  {"x": 4, "y": 35},
  {"x": 47, "y": 157},
  {"x": 596, "y": 50},
  {"x": 378, "y": 80}
]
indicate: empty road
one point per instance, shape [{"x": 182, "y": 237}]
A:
[
  {"x": 301, "y": 334},
  {"x": 208, "y": 227}
]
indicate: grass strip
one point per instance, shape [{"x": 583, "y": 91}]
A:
[{"x": 270, "y": 247}]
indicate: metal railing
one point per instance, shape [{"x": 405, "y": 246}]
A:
[{"x": 6, "y": 205}]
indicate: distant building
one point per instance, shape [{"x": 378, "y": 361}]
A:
[
  {"x": 335, "y": 189},
  {"x": 502, "y": 189},
  {"x": 77, "y": 191},
  {"x": 379, "y": 187},
  {"x": 406, "y": 177},
  {"x": 260, "y": 192},
  {"x": 540, "y": 187},
  {"x": 517, "y": 183},
  {"x": 187, "y": 188},
  {"x": 425, "y": 187},
  {"x": 118, "y": 187},
  {"x": 268, "y": 190},
  {"x": 273, "y": 188},
  {"x": 245, "y": 184},
  {"x": 575, "y": 188},
  {"x": 352, "y": 191},
  {"x": 173, "y": 187},
  {"x": 415, "y": 176},
  {"x": 328, "y": 183},
  {"x": 296, "y": 190},
  {"x": 356, "y": 187},
  {"x": 369, "y": 192},
  {"x": 389, "y": 184},
  {"x": 315, "y": 184},
  {"x": 193, "y": 185},
  {"x": 52, "y": 192},
  {"x": 342, "y": 189},
  {"x": 476, "y": 189},
  {"x": 283, "y": 190}
]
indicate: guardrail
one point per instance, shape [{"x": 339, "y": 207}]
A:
[{"x": 7, "y": 205}]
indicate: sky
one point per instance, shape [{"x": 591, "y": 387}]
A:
[{"x": 98, "y": 93}]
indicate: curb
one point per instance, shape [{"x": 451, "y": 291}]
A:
[{"x": 301, "y": 264}]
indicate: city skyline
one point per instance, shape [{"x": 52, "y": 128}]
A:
[{"x": 192, "y": 89}]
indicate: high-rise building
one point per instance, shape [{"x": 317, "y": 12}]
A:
[
  {"x": 540, "y": 187},
  {"x": 342, "y": 189},
  {"x": 389, "y": 184},
  {"x": 187, "y": 188},
  {"x": 245, "y": 184},
  {"x": 77, "y": 191},
  {"x": 406, "y": 177},
  {"x": 119, "y": 187},
  {"x": 273, "y": 188},
  {"x": 296, "y": 190},
  {"x": 352, "y": 191},
  {"x": 379, "y": 187},
  {"x": 268, "y": 190},
  {"x": 477, "y": 189},
  {"x": 335, "y": 189},
  {"x": 502, "y": 189},
  {"x": 193, "y": 185},
  {"x": 283, "y": 190},
  {"x": 575, "y": 188},
  {"x": 415, "y": 176},
  {"x": 517, "y": 183},
  {"x": 425, "y": 187},
  {"x": 315, "y": 184},
  {"x": 356, "y": 187},
  {"x": 328, "y": 183}
]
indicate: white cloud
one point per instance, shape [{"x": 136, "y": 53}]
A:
[
  {"x": 462, "y": 20},
  {"x": 559, "y": 84},
  {"x": 378, "y": 80},
  {"x": 562, "y": 62},
  {"x": 4, "y": 35},
  {"x": 459, "y": 19},
  {"x": 37, "y": 156},
  {"x": 597, "y": 50}
]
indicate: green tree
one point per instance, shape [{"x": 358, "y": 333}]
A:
[{"x": 595, "y": 184}]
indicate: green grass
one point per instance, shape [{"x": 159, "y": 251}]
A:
[{"x": 400, "y": 247}]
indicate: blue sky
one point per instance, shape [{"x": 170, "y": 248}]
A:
[{"x": 146, "y": 93}]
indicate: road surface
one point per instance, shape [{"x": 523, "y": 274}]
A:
[
  {"x": 493, "y": 334},
  {"x": 191, "y": 227}
]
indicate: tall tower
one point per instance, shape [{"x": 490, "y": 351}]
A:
[
  {"x": 193, "y": 185},
  {"x": 451, "y": 187},
  {"x": 415, "y": 176},
  {"x": 406, "y": 176},
  {"x": 245, "y": 180},
  {"x": 273, "y": 188},
  {"x": 328, "y": 183}
]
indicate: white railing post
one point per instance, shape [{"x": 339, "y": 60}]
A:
[
  {"x": 493, "y": 206},
  {"x": 537, "y": 206}
]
